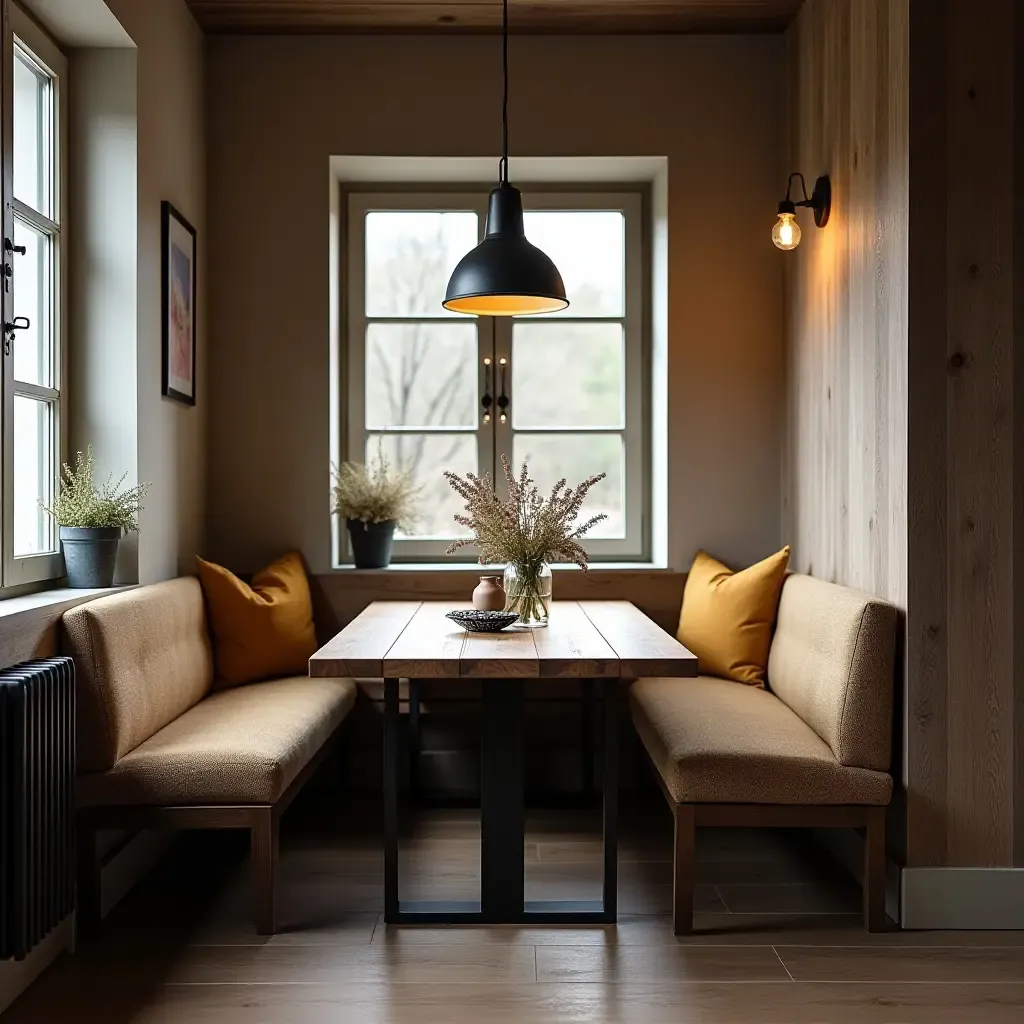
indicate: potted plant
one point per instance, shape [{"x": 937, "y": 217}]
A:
[
  {"x": 373, "y": 500},
  {"x": 92, "y": 520},
  {"x": 526, "y": 532}
]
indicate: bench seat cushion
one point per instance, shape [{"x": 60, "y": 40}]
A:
[
  {"x": 713, "y": 741},
  {"x": 239, "y": 746}
]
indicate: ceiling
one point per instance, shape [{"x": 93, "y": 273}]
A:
[{"x": 553, "y": 16}]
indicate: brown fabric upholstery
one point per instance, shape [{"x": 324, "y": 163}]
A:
[
  {"x": 142, "y": 658},
  {"x": 716, "y": 741},
  {"x": 832, "y": 662},
  {"x": 239, "y": 746}
]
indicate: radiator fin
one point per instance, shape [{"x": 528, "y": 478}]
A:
[{"x": 37, "y": 801}]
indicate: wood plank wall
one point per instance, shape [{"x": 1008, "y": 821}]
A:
[
  {"x": 845, "y": 456},
  {"x": 903, "y": 462},
  {"x": 965, "y": 754},
  {"x": 844, "y": 494}
]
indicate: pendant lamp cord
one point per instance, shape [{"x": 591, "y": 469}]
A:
[{"x": 503, "y": 165}]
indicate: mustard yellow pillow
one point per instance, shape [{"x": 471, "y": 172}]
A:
[
  {"x": 727, "y": 617},
  {"x": 263, "y": 630}
]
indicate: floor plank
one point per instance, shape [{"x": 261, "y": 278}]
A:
[
  {"x": 697, "y": 1003},
  {"x": 655, "y": 964},
  {"x": 907, "y": 964}
]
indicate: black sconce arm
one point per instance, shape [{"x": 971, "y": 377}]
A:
[{"x": 820, "y": 200}]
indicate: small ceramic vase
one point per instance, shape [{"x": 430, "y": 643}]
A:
[{"x": 489, "y": 595}]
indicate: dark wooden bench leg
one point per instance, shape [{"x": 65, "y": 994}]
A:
[
  {"x": 264, "y": 844},
  {"x": 874, "y": 871},
  {"x": 684, "y": 871}
]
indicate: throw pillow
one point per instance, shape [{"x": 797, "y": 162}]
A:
[
  {"x": 727, "y": 617},
  {"x": 261, "y": 630}
]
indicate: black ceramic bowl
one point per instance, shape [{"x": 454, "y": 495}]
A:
[{"x": 483, "y": 622}]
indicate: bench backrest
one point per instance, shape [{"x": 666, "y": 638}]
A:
[
  {"x": 142, "y": 658},
  {"x": 832, "y": 661}
]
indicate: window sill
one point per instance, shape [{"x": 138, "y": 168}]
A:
[
  {"x": 54, "y": 600},
  {"x": 473, "y": 567}
]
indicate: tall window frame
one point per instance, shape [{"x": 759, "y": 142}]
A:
[
  {"x": 494, "y": 341},
  {"x": 34, "y": 215}
]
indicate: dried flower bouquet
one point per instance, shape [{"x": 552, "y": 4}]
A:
[{"x": 526, "y": 532}]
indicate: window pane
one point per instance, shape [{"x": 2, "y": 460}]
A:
[
  {"x": 575, "y": 457},
  {"x": 421, "y": 375},
  {"x": 567, "y": 375},
  {"x": 410, "y": 254},
  {"x": 588, "y": 247},
  {"x": 31, "y": 135},
  {"x": 427, "y": 456},
  {"x": 31, "y": 283},
  {"x": 33, "y": 475}
]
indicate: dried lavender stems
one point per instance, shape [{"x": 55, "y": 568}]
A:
[{"x": 527, "y": 530}]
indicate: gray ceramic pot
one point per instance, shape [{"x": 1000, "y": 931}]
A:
[{"x": 90, "y": 554}]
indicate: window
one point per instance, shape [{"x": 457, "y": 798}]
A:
[
  {"x": 416, "y": 375},
  {"x": 32, "y": 299}
]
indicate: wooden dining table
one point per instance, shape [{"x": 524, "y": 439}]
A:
[{"x": 607, "y": 642}]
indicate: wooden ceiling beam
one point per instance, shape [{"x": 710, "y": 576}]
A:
[{"x": 526, "y": 16}]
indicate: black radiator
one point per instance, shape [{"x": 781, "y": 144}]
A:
[{"x": 37, "y": 801}]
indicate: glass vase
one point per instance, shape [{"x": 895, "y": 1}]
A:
[{"x": 528, "y": 594}]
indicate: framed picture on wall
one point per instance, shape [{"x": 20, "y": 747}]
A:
[{"x": 179, "y": 305}]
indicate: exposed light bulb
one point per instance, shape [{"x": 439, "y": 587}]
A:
[{"x": 786, "y": 233}]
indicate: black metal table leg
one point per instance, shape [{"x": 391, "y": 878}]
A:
[
  {"x": 610, "y": 780},
  {"x": 391, "y": 905},
  {"x": 502, "y": 813},
  {"x": 503, "y": 820},
  {"x": 587, "y": 738}
]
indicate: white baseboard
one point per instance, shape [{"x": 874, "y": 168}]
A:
[
  {"x": 17, "y": 975},
  {"x": 985, "y": 899}
]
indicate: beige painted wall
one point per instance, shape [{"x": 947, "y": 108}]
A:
[
  {"x": 280, "y": 107},
  {"x": 171, "y": 165}
]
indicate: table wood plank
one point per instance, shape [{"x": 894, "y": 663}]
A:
[
  {"x": 643, "y": 648},
  {"x": 429, "y": 648},
  {"x": 571, "y": 646},
  {"x": 359, "y": 649},
  {"x": 511, "y": 654}
]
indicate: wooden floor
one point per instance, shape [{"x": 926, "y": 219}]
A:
[{"x": 779, "y": 940}]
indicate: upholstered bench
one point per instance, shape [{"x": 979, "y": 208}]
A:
[
  {"x": 813, "y": 749},
  {"x": 158, "y": 747}
]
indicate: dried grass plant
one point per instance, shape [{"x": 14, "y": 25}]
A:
[
  {"x": 527, "y": 529},
  {"x": 81, "y": 503},
  {"x": 374, "y": 494}
]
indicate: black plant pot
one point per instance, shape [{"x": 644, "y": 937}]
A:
[{"x": 371, "y": 543}]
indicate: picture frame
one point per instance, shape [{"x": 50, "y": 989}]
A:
[{"x": 178, "y": 305}]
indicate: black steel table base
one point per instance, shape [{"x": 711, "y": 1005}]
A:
[{"x": 502, "y": 820}]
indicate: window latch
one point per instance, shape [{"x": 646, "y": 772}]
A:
[
  {"x": 9, "y": 246},
  {"x": 19, "y": 323}
]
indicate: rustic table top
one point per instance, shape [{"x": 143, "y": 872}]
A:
[{"x": 584, "y": 639}]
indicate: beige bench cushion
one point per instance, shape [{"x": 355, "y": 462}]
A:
[
  {"x": 831, "y": 661},
  {"x": 715, "y": 741},
  {"x": 239, "y": 746},
  {"x": 142, "y": 658}
]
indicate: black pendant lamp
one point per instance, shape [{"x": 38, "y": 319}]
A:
[{"x": 505, "y": 275}]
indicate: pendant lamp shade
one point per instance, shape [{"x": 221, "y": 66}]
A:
[{"x": 505, "y": 275}]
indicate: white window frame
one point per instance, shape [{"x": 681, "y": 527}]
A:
[
  {"x": 495, "y": 336},
  {"x": 20, "y": 30}
]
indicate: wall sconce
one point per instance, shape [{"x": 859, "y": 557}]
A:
[{"x": 786, "y": 233}]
